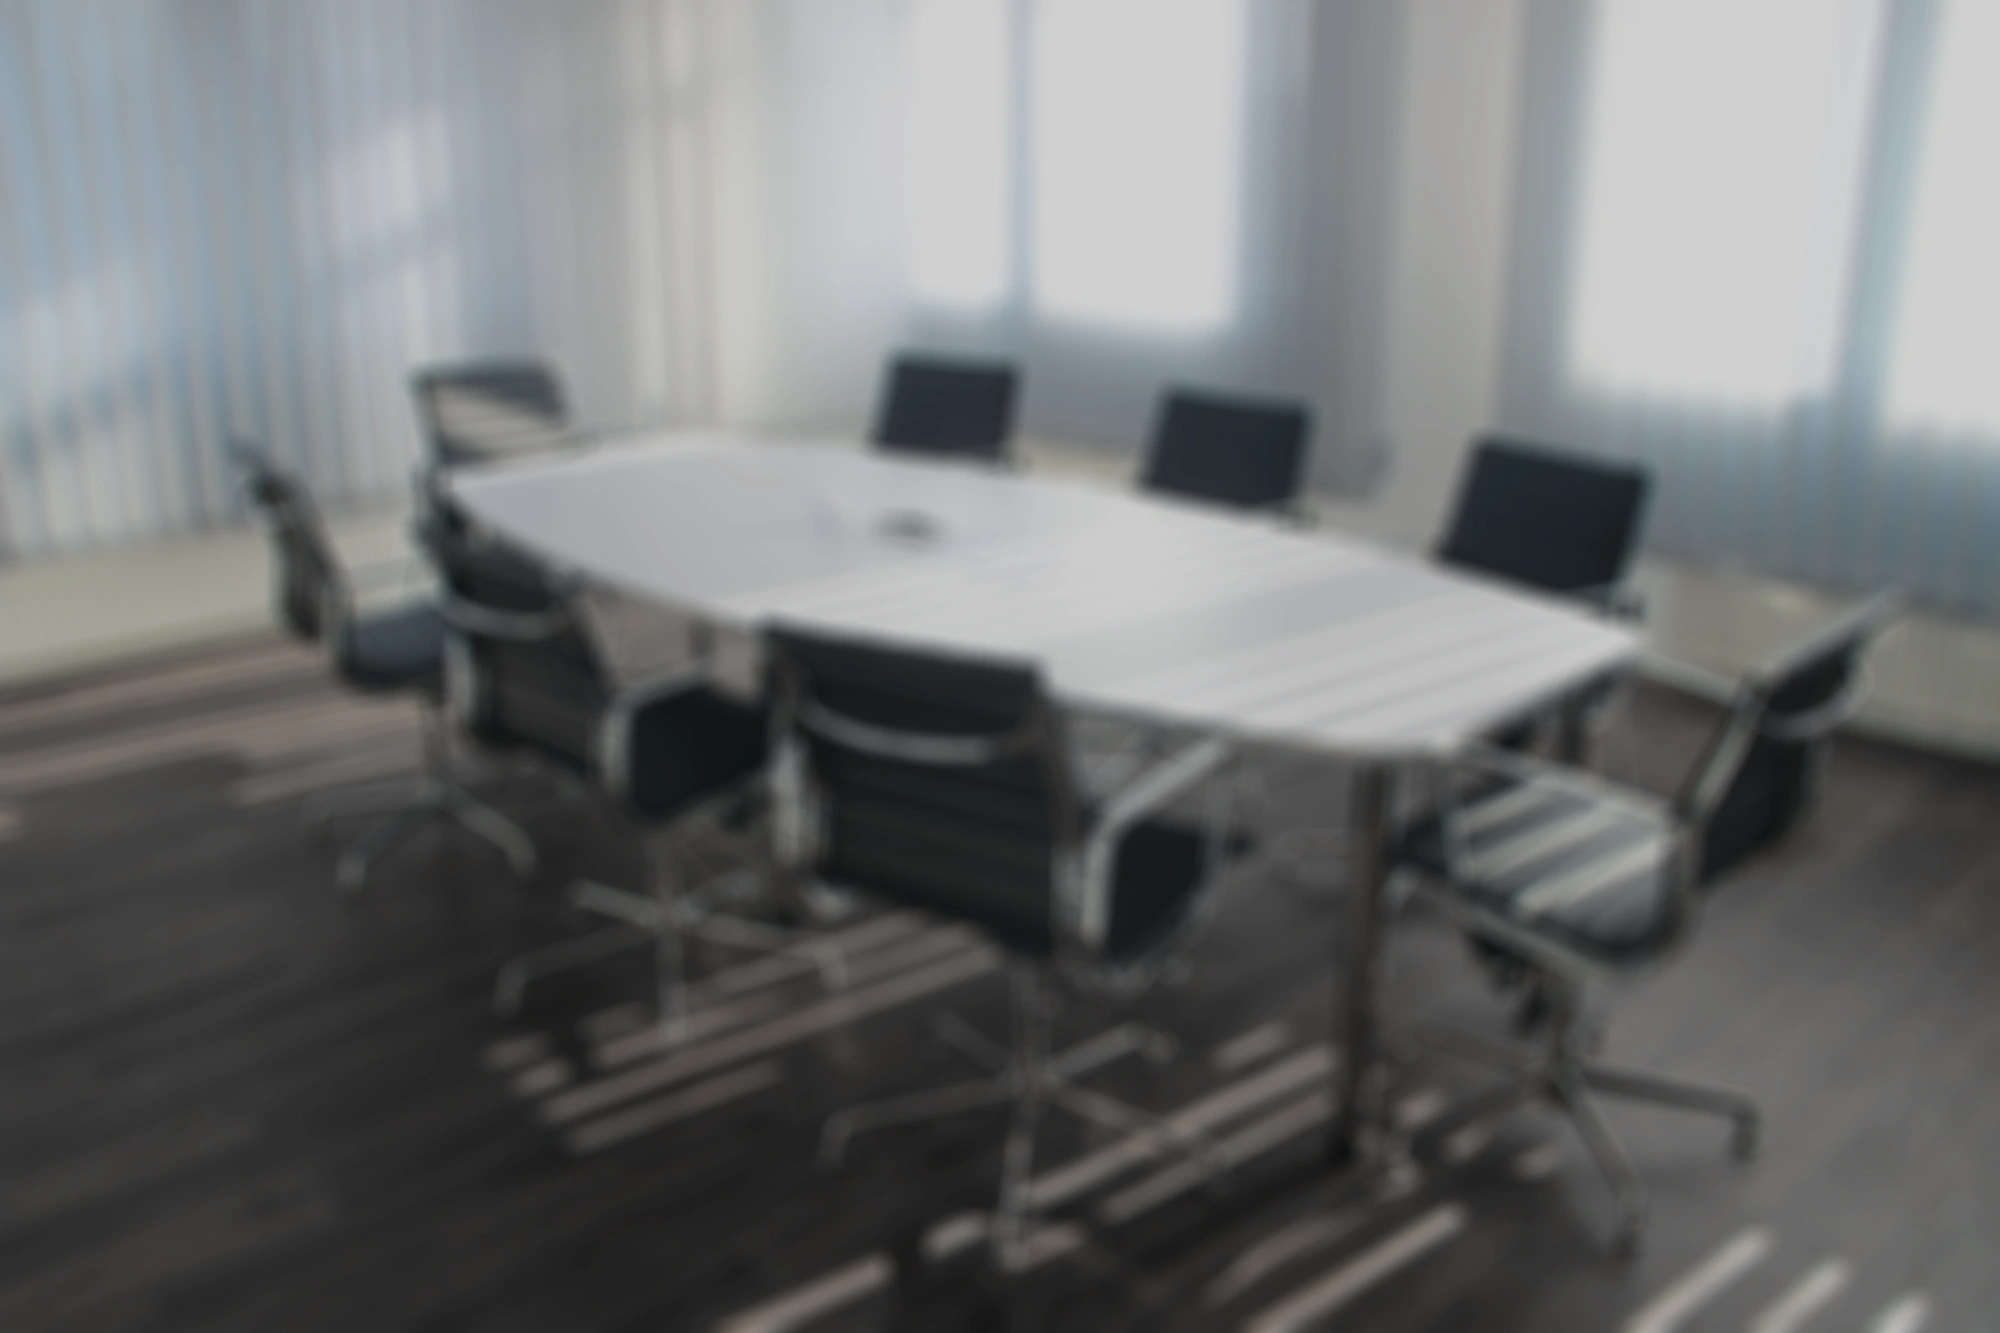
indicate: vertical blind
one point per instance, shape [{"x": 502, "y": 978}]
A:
[
  {"x": 254, "y": 217},
  {"x": 1755, "y": 250}
]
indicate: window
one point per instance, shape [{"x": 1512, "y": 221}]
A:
[
  {"x": 1132, "y": 130},
  {"x": 1944, "y": 367},
  {"x": 959, "y": 141},
  {"x": 1720, "y": 170},
  {"x": 1136, "y": 127}
]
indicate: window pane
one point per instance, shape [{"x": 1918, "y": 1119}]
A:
[
  {"x": 1947, "y": 354},
  {"x": 1723, "y": 145},
  {"x": 958, "y": 151},
  {"x": 1137, "y": 118}
]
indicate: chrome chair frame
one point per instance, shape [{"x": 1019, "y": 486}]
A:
[
  {"x": 297, "y": 536},
  {"x": 1563, "y": 1069},
  {"x": 663, "y": 911}
]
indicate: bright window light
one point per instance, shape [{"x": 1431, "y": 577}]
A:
[
  {"x": 1137, "y": 126},
  {"x": 958, "y": 151},
  {"x": 1720, "y": 169},
  {"x": 1945, "y": 370}
]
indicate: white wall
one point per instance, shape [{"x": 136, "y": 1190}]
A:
[
  {"x": 1453, "y": 204},
  {"x": 806, "y": 206}
]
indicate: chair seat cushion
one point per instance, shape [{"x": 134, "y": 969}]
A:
[
  {"x": 395, "y": 650},
  {"x": 1586, "y": 870}
]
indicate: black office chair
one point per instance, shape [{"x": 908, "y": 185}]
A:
[
  {"x": 526, "y": 676},
  {"x": 944, "y": 784},
  {"x": 1553, "y": 520},
  {"x": 390, "y": 652},
  {"x": 481, "y": 411},
  {"x": 1233, "y": 451},
  {"x": 1557, "y": 522},
  {"x": 947, "y": 408},
  {"x": 1583, "y": 880},
  {"x": 524, "y": 672},
  {"x": 675, "y": 757}
]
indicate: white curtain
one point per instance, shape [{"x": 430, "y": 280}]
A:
[
  {"x": 1755, "y": 250},
  {"x": 254, "y": 217}
]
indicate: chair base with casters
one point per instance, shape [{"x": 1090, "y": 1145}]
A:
[
  {"x": 437, "y": 799},
  {"x": 1561, "y": 1072},
  {"x": 434, "y": 802},
  {"x": 663, "y": 919},
  {"x": 1030, "y": 1078},
  {"x": 677, "y": 757}
]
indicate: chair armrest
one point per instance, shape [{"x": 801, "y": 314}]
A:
[
  {"x": 491, "y": 623},
  {"x": 1527, "y": 768},
  {"x": 1135, "y": 745},
  {"x": 1618, "y": 601},
  {"x": 1821, "y": 721},
  {"x": 1712, "y": 686},
  {"x": 1148, "y": 792},
  {"x": 910, "y": 747}
]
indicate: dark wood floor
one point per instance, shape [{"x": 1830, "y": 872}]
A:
[{"x": 231, "y": 1101}]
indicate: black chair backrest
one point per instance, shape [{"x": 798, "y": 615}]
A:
[
  {"x": 309, "y": 586},
  {"x": 480, "y": 411},
  {"x": 962, "y": 409},
  {"x": 1545, "y": 517},
  {"x": 940, "y": 782},
  {"x": 1757, "y": 777},
  {"x": 1230, "y": 450},
  {"x": 526, "y": 671}
]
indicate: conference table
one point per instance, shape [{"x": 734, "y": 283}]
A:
[{"x": 1139, "y": 607}]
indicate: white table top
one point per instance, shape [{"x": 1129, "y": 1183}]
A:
[{"x": 1173, "y": 612}]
